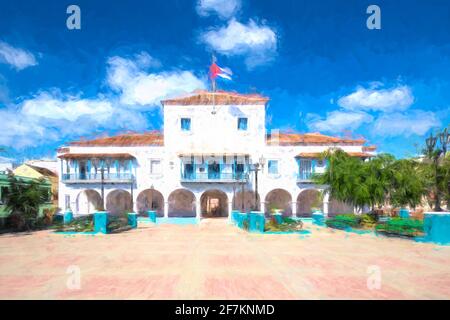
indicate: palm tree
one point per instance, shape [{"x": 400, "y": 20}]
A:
[
  {"x": 407, "y": 185},
  {"x": 24, "y": 199},
  {"x": 344, "y": 177}
]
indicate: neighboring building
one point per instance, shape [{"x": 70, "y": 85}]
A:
[
  {"x": 4, "y": 185},
  {"x": 51, "y": 165},
  {"x": 34, "y": 172},
  {"x": 202, "y": 164}
]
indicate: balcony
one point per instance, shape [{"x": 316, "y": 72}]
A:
[
  {"x": 97, "y": 178},
  {"x": 214, "y": 177},
  {"x": 305, "y": 177}
]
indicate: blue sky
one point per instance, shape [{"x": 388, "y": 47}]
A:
[{"x": 323, "y": 69}]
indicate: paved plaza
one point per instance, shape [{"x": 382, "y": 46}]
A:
[{"x": 214, "y": 260}]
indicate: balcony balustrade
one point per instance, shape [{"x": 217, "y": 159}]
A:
[
  {"x": 214, "y": 177},
  {"x": 97, "y": 177}
]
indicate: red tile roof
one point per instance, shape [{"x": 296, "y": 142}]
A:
[
  {"x": 123, "y": 156},
  {"x": 152, "y": 138},
  {"x": 293, "y": 139},
  {"x": 202, "y": 97},
  {"x": 318, "y": 154},
  {"x": 369, "y": 148}
]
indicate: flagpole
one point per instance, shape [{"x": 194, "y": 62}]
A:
[{"x": 214, "y": 88}]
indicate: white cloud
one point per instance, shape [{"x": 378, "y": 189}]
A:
[
  {"x": 225, "y": 9},
  {"x": 52, "y": 115},
  {"x": 258, "y": 43},
  {"x": 387, "y": 100},
  {"x": 139, "y": 88},
  {"x": 337, "y": 121},
  {"x": 415, "y": 122},
  {"x": 55, "y": 106},
  {"x": 18, "y": 58}
]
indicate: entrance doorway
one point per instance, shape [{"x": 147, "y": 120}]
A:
[{"x": 214, "y": 204}]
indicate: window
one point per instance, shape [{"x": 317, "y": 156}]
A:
[
  {"x": 185, "y": 124},
  {"x": 273, "y": 166},
  {"x": 305, "y": 169},
  {"x": 242, "y": 124},
  {"x": 155, "y": 166},
  {"x": 320, "y": 163}
]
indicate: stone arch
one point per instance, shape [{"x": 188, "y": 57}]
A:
[
  {"x": 119, "y": 202},
  {"x": 307, "y": 200},
  {"x": 88, "y": 202},
  {"x": 214, "y": 204},
  {"x": 248, "y": 199},
  {"x": 150, "y": 199},
  {"x": 181, "y": 203},
  {"x": 279, "y": 199}
]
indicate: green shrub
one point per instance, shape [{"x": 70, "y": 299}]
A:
[
  {"x": 344, "y": 221},
  {"x": 288, "y": 225},
  {"x": 79, "y": 224},
  {"x": 368, "y": 220},
  {"x": 401, "y": 227}
]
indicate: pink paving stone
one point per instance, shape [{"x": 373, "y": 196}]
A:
[
  {"x": 318, "y": 263},
  {"x": 12, "y": 287},
  {"x": 246, "y": 287},
  {"x": 348, "y": 287},
  {"x": 439, "y": 284},
  {"x": 106, "y": 287},
  {"x": 232, "y": 261},
  {"x": 217, "y": 260}
]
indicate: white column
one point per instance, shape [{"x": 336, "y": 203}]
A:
[
  {"x": 230, "y": 209},
  {"x": 294, "y": 208},
  {"x": 166, "y": 209},
  {"x": 198, "y": 209},
  {"x": 325, "y": 205},
  {"x": 263, "y": 207}
]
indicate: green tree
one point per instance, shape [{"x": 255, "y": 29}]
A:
[
  {"x": 23, "y": 199},
  {"x": 407, "y": 186},
  {"x": 378, "y": 174},
  {"x": 372, "y": 183},
  {"x": 344, "y": 178}
]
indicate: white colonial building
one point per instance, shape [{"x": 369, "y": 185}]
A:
[{"x": 213, "y": 156}]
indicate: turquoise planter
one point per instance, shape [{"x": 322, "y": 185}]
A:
[
  {"x": 318, "y": 219},
  {"x": 278, "y": 217},
  {"x": 403, "y": 213},
  {"x": 101, "y": 222},
  {"x": 437, "y": 227},
  {"x": 234, "y": 216},
  {"x": 152, "y": 216},
  {"x": 256, "y": 221},
  {"x": 132, "y": 220},
  {"x": 68, "y": 217},
  {"x": 242, "y": 217}
]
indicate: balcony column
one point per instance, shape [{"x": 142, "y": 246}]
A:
[{"x": 166, "y": 209}]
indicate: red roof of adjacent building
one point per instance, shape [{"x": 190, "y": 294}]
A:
[
  {"x": 203, "y": 97},
  {"x": 123, "y": 156},
  {"x": 152, "y": 138},
  {"x": 294, "y": 139},
  {"x": 318, "y": 154},
  {"x": 369, "y": 148}
]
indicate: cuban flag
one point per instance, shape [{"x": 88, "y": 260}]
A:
[{"x": 216, "y": 71}]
